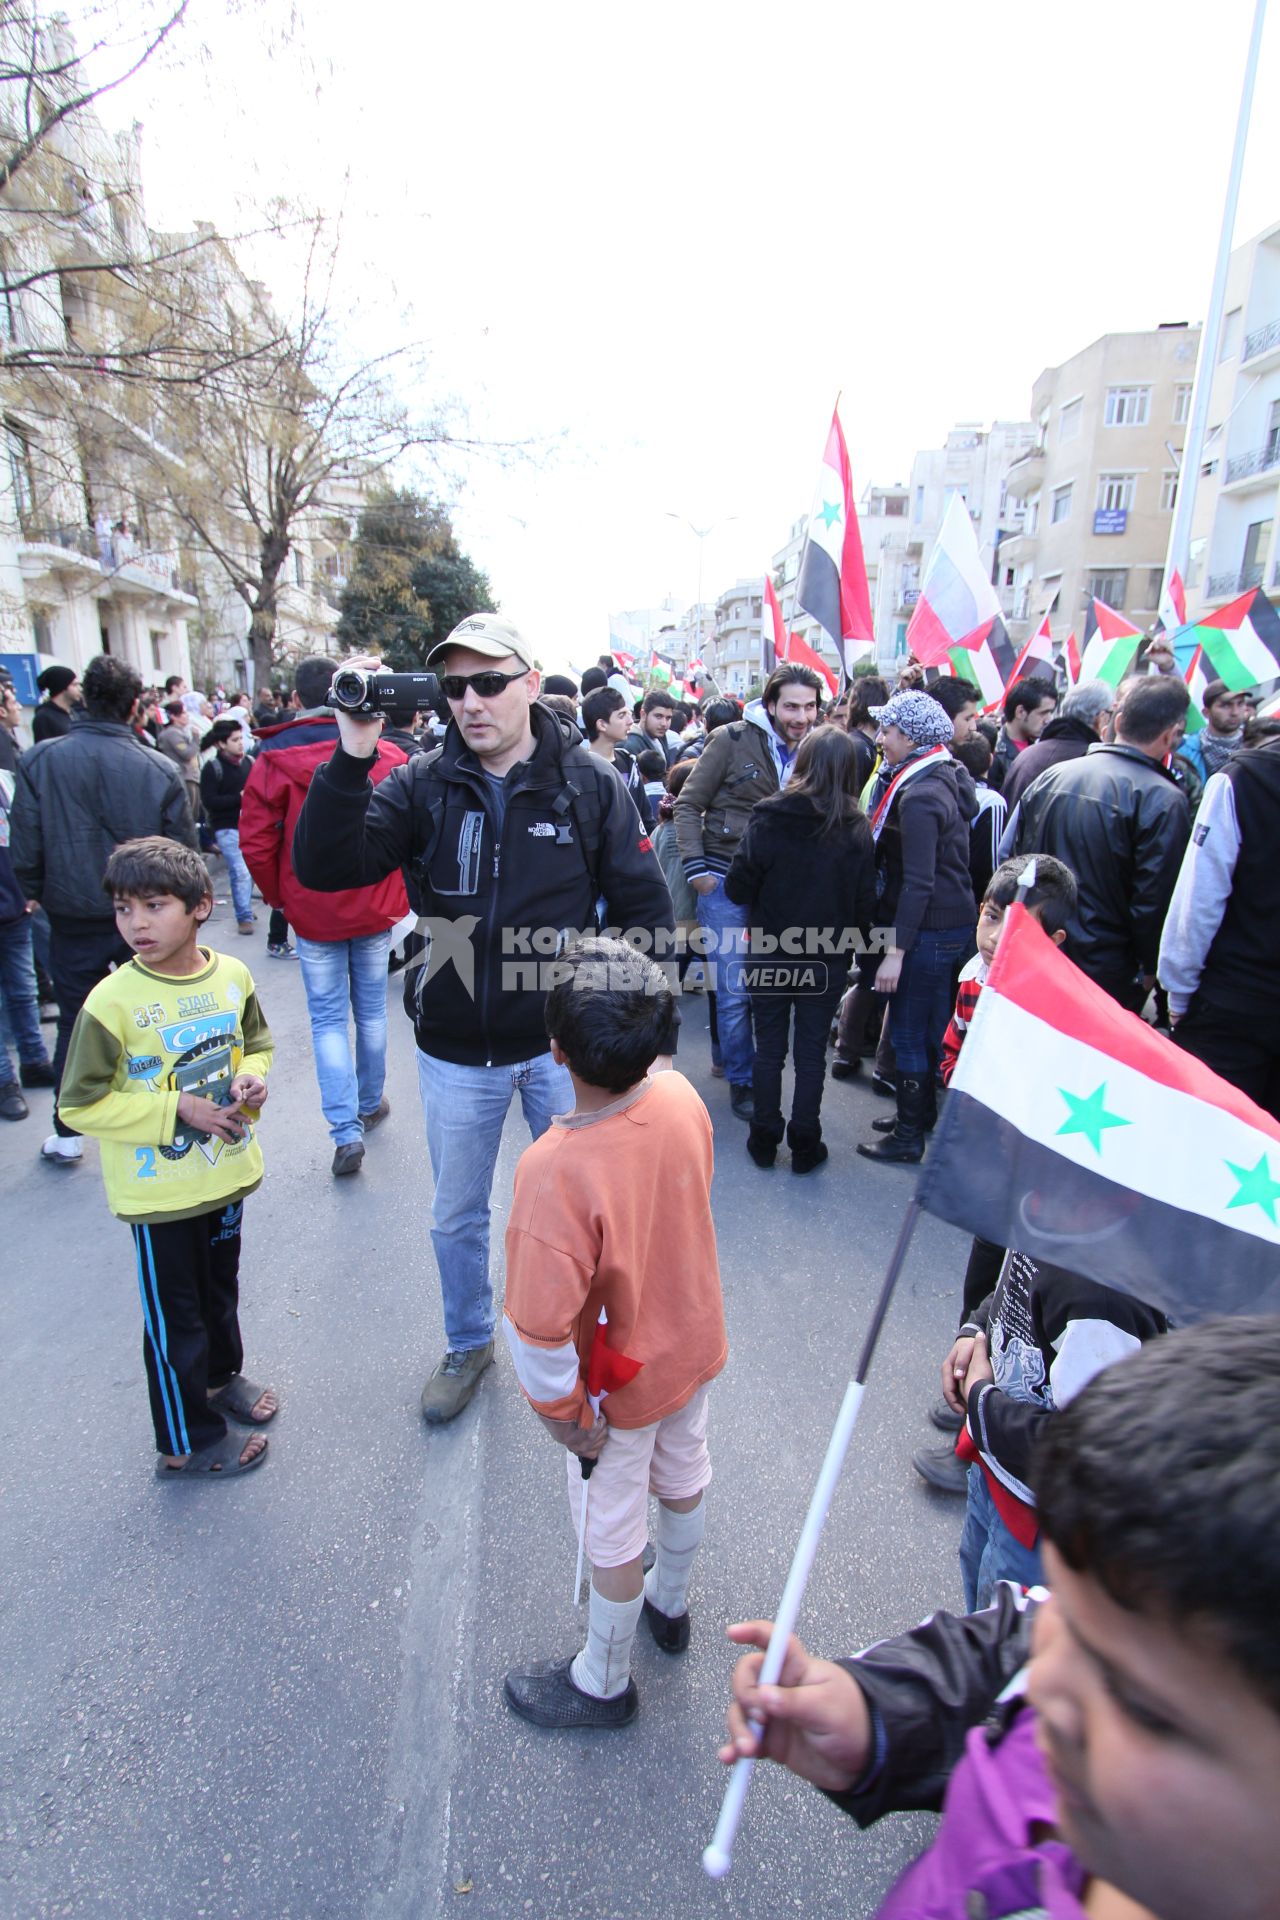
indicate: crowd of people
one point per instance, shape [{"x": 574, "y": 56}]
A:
[{"x": 836, "y": 874}]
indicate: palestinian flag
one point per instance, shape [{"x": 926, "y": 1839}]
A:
[
  {"x": 957, "y": 617},
  {"x": 1038, "y": 652},
  {"x": 831, "y": 586},
  {"x": 1110, "y": 642},
  {"x": 1073, "y": 658},
  {"x": 1076, "y": 1132},
  {"x": 789, "y": 646},
  {"x": 1173, "y": 604},
  {"x": 1197, "y": 681},
  {"x": 1241, "y": 642}
]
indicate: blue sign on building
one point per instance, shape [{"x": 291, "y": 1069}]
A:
[
  {"x": 1110, "y": 519},
  {"x": 23, "y": 668}
]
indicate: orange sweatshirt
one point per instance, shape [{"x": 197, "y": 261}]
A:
[{"x": 613, "y": 1210}]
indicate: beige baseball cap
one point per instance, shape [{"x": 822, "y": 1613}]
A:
[{"x": 487, "y": 634}]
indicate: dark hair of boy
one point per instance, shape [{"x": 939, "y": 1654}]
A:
[
  {"x": 826, "y": 774},
  {"x": 155, "y": 865},
  {"x": 652, "y": 764},
  {"x": 952, "y": 693},
  {"x": 597, "y": 707},
  {"x": 1261, "y": 728},
  {"x": 975, "y": 755},
  {"x": 718, "y": 713},
  {"x": 790, "y": 674},
  {"x": 593, "y": 678},
  {"x": 174, "y": 709},
  {"x": 174, "y": 680},
  {"x": 220, "y": 732},
  {"x": 611, "y": 1014},
  {"x": 1027, "y": 693},
  {"x": 401, "y": 713},
  {"x": 1149, "y": 707},
  {"x": 867, "y": 691},
  {"x": 677, "y": 775},
  {"x": 988, "y": 728},
  {"x": 560, "y": 683},
  {"x": 1053, "y": 890},
  {"x": 681, "y": 715},
  {"x": 312, "y": 678},
  {"x": 111, "y": 688},
  {"x": 1189, "y": 1534},
  {"x": 562, "y": 703},
  {"x": 657, "y": 697}
]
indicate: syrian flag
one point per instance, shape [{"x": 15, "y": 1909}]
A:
[
  {"x": 1241, "y": 642},
  {"x": 607, "y": 1369},
  {"x": 789, "y": 646},
  {"x": 1173, "y": 604},
  {"x": 1077, "y": 1133},
  {"x": 1110, "y": 643},
  {"x": 1073, "y": 658},
  {"x": 626, "y": 663},
  {"x": 832, "y": 584},
  {"x": 957, "y": 617},
  {"x": 1038, "y": 652},
  {"x": 1197, "y": 681}
]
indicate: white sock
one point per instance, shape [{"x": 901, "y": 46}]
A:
[
  {"x": 666, "y": 1585},
  {"x": 603, "y": 1668}
]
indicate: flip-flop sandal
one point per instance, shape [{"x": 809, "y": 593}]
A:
[
  {"x": 238, "y": 1398},
  {"x": 218, "y": 1462}
]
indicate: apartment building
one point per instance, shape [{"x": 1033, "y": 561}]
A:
[
  {"x": 1234, "y": 543},
  {"x": 736, "y": 654},
  {"x": 1089, "y": 504}
]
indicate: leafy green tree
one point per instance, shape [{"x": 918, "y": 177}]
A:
[{"x": 410, "y": 583}]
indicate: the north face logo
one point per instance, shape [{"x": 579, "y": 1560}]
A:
[{"x": 543, "y": 829}]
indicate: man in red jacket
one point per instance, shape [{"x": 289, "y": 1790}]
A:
[{"x": 343, "y": 938}]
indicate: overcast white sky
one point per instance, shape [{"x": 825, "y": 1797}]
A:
[{"x": 665, "y": 237}]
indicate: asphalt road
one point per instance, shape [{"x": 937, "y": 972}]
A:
[{"x": 280, "y": 1697}]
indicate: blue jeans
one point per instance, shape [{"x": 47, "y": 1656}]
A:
[
  {"x": 342, "y": 978},
  {"x": 464, "y": 1108},
  {"x": 925, "y": 999},
  {"x": 726, "y": 923},
  {"x": 228, "y": 839},
  {"x": 988, "y": 1551},
  {"x": 19, "y": 1006}
]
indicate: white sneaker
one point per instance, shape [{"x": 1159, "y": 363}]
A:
[{"x": 60, "y": 1152}]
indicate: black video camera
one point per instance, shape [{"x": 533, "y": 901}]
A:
[{"x": 356, "y": 691}]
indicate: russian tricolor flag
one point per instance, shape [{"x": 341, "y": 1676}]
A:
[{"x": 957, "y": 617}]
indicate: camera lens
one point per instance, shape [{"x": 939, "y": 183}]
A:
[{"x": 347, "y": 688}]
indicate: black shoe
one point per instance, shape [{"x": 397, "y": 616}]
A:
[
  {"x": 741, "y": 1103},
  {"x": 347, "y": 1159},
  {"x": 807, "y": 1159},
  {"x": 37, "y": 1073},
  {"x": 945, "y": 1418},
  {"x": 845, "y": 1069},
  {"x": 887, "y": 1122},
  {"x": 670, "y": 1630},
  {"x": 905, "y": 1145},
  {"x": 12, "y": 1104},
  {"x": 544, "y": 1693},
  {"x": 940, "y": 1467},
  {"x": 763, "y": 1147},
  {"x": 882, "y": 1084}
]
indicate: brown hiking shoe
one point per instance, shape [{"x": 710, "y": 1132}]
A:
[{"x": 453, "y": 1383}]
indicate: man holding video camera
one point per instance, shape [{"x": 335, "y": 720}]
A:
[
  {"x": 512, "y": 832},
  {"x": 343, "y": 940}
]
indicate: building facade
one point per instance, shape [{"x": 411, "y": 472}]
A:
[
  {"x": 1234, "y": 543},
  {"x": 1089, "y": 503}
]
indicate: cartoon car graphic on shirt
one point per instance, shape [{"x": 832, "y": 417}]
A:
[{"x": 206, "y": 1069}]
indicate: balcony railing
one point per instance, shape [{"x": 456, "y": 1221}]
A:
[
  {"x": 1261, "y": 340},
  {"x": 1223, "y": 586},
  {"x": 1258, "y": 460},
  {"x": 48, "y": 533}
]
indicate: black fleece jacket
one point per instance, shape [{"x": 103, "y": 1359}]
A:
[
  {"x": 923, "y": 857},
  {"x": 802, "y": 883},
  {"x": 570, "y": 835}
]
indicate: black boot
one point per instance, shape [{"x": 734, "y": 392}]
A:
[
  {"x": 808, "y": 1149},
  {"x": 887, "y": 1124},
  {"x": 762, "y": 1144},
  {"x": 906, "y": 1142}
]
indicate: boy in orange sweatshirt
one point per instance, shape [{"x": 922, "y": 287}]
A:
[{"x": 600, "y": 1201}]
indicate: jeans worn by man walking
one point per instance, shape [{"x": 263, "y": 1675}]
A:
[
  {"x": 228, "y": 839},
  {"x": 19, "y": 1003},
  {"x": 344, "y": 980},
  {"x": 465, "y": 1109},
  {"x": 726, "y": 924}
]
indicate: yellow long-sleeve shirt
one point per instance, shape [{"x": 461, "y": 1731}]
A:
[{"x": 140, "y": 1041}]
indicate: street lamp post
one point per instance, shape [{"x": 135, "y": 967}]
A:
[{"x": 700, "y": 534}]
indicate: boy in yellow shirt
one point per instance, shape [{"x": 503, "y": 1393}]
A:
[
  {"x": 167, "y": 1066},
  {"x": 613, "y": 1287}
]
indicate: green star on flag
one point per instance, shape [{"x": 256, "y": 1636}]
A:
[
  {"x": 1090, "y": 1117},
  {"x": 1256, "y": 1188},
  {"x": 830, "y": 513}
]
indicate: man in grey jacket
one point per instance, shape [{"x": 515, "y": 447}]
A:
[{"x": 77, "y": 798}]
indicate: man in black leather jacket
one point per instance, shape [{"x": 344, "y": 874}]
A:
[
  {"x": 1119, "y": 820},
  {"x": 77, "y": 799}
]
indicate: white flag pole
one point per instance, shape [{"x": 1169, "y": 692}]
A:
[{"x": 718, "y": 1857}]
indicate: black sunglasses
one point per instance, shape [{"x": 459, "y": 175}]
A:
[{"x": 487, "y": 685}]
